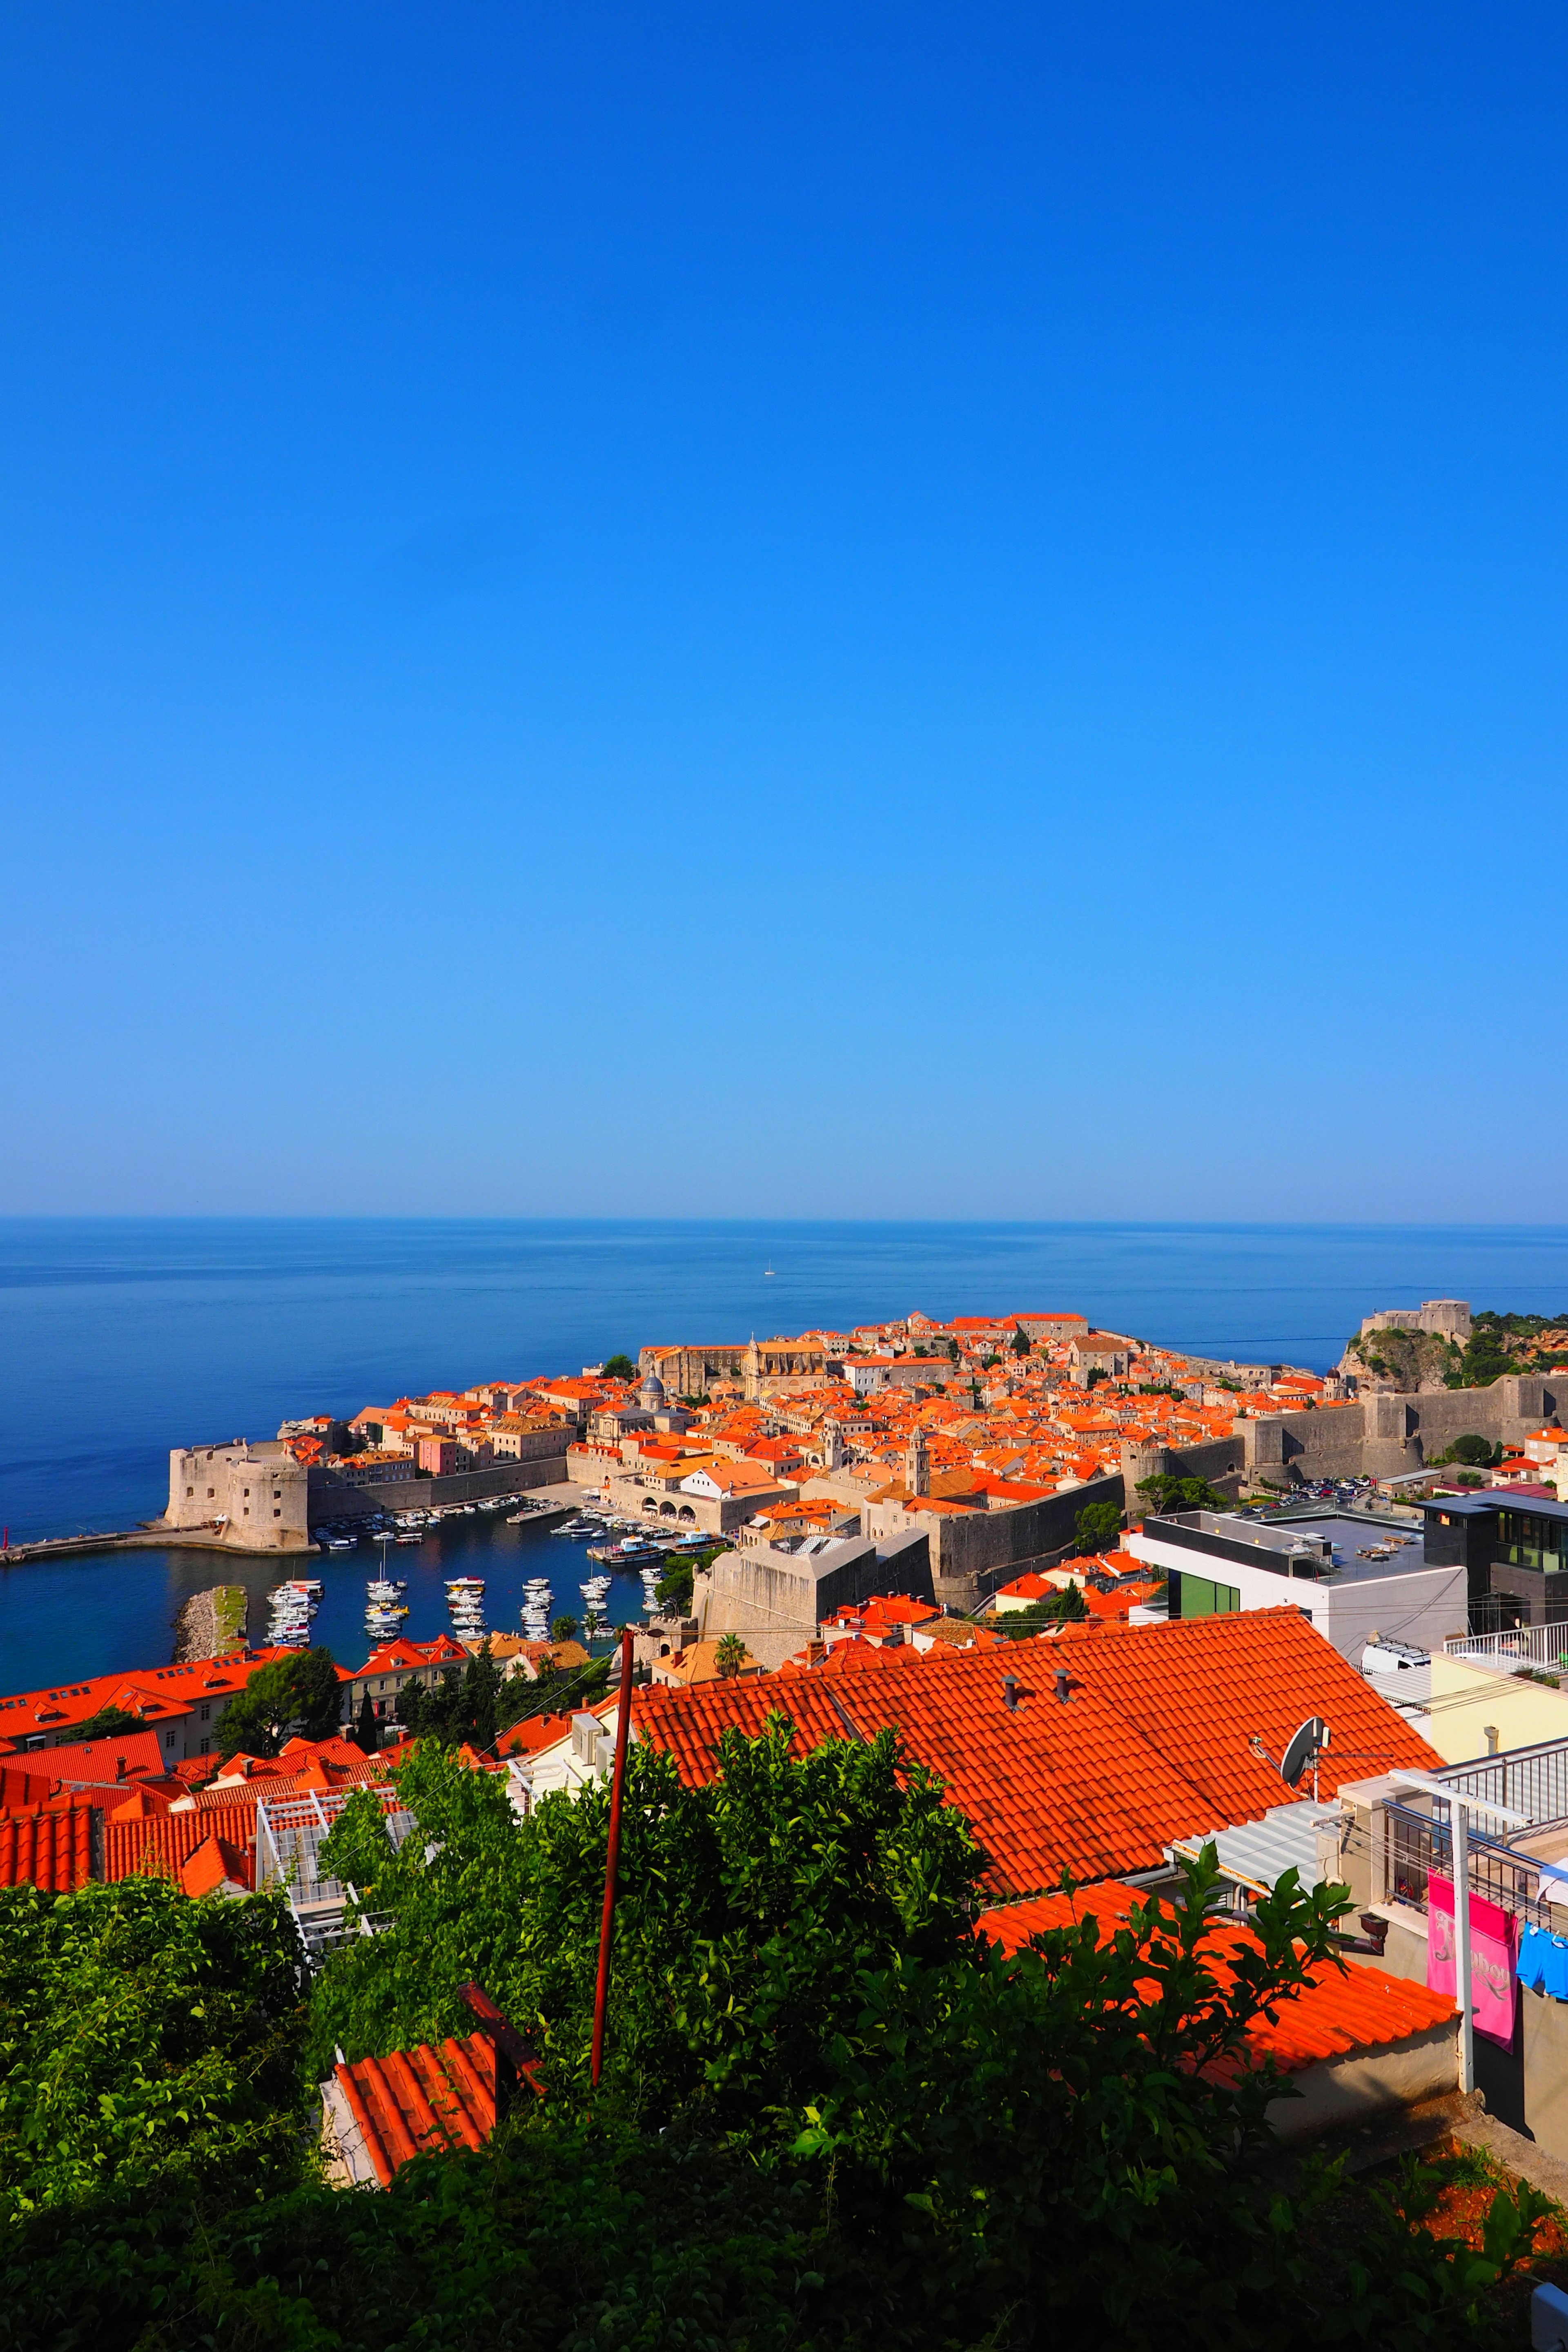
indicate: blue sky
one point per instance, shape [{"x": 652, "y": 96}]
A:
[{"x": 784, "y": 610}]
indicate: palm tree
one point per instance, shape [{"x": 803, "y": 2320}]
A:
[{"x": 731, "y": 1655}]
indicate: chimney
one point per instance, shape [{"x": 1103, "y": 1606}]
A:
[
  {"x": 1064, "y": 1688},
  {"x": 1010, "y": 1692}
]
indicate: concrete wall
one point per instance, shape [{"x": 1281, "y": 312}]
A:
[
  {"x": 1383, "y": 1436},
  {"x": 1354, "y": 2090},
  {"x": 1469, "y": 1699},
  {"x": 1422, "y": 1606},
  {"x": 972, "y": 1553},
  {"x": 714, "y": 1515},
  {"x": 777, "y": 1599}
]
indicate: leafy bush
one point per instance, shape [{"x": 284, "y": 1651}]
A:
[
  {"x": 144, "y": 2037},
  {"x": 1097, "y": 1526},
  {"x": 875, "y": 2131},
  {"x": 1164, "y": 1493},
  {"x": 746, "y": 1909}
]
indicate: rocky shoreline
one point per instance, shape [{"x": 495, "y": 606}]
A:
[{"x": 210, "y": 1624}]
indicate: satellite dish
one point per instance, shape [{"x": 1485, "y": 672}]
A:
[{"x": 1306, "y": 1744}]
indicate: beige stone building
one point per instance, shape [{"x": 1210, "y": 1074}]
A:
[{"x": 253, "y": 1496}]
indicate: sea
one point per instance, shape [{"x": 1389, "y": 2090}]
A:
[{"x": 121, "y": 1337}]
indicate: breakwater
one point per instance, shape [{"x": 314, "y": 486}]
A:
[{"x": 211, "y": 1623}]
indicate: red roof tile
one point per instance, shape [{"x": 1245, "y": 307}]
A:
[
  {"x": 1152, "y": 1744},
  {"x": 422, "y": 2102},
  {"x": 1344, "y": 2009},
  {"x": 52, "y": 1850}
]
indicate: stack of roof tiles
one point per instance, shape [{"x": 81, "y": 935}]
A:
[{"x": 1090, "y": 1750}]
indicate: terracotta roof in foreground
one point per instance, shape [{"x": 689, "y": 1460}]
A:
[
  {"x": 1150, "y": 1744},
  {"x": 1345, "y": 2009}
]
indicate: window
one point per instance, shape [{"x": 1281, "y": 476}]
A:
[
  {"x": 276, "y": 1515},
  {"x": 189, "y": 1492},
  {"x": 206, "y": 1748},
  {"x": 247, "y": 1490},
  {"x": 1198, "y": 1597},
  {"x": 211, "y": 1492},
  {"x": 206, "y": 1711},
  {"x": 1529, "y": 1540}
]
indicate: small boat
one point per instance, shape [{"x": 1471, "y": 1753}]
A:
[
  {"x": 408, "y": 1538},
  {"x": 344, "y": 1543}
]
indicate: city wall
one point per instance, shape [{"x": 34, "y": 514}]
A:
[
  {"x": 1388, "y": 1436},
  {"x": 333, "y": 1499},
  {"x": 972, "y": 1552}
]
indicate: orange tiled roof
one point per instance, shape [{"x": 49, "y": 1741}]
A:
[
  {"x": 49, "y": 1850},
  {"x": 422, "y": 2102},
  {"x": 163, "y": 1846},
  {"x": 1342, "y": 2009},
  {"x": 1152, "y": 1744}
]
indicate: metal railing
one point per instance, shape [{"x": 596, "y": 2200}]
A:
[
  {"x": 290, "y": 1834},
  {"x": 1521, "y": 1646},
  {"x": 1530, "y": 1780},
  {"x": 1416, "y": 1843}
]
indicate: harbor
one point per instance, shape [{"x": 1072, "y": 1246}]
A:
[{"x": 86, "y": 1611}]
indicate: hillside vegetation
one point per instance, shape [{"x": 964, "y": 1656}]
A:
[
  {"x": 1428, "y": 1360},
  {"x": 832, "y": 2117}
]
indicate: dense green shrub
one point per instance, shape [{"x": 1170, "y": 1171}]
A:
[
  {"x": 834, "y": 2118},
  {"x": 143, "y": 2037}
]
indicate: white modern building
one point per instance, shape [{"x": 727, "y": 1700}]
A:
[{"x": 1355, "y": 1575}]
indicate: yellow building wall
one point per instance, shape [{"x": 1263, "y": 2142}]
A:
[{"x": 1465, "y": 1699}]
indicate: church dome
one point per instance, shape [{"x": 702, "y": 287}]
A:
[{"x": 650, "y": 1396}]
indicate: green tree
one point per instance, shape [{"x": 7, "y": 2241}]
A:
[
  {"x": 673, "y": 1590},
  {"x": 299, "y": 1695},
  {"x": 729, "y": 1656},
  {"x": 1067, "y": 1607},
  {"x": 367, "y": 1734},
  {"x": 481, "y": 1699},
  {"x": 1165, "y": 1492},
  {"x": 619, "y": 1368},
  {"x": 1020, "y": 1341},
  {"x": 1097, "y": 1526},
  {"x": 109, "y": 1723},
  {"x": 1478, "y": 1453},
  {"x": 830, "y": 2117},
  {"x": 563, "y": 1629}
]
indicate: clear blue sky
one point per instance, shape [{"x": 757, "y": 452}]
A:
[{"x": 784, "y": 609}]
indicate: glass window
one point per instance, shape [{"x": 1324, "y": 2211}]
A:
[{"x": 1200, "y": 1597}]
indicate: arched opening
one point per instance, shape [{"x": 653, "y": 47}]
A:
[
  {"x": 650, "y": 1502},
  {"x": 688, "y": 1514},
  {"x": 666, "y": 1510}
]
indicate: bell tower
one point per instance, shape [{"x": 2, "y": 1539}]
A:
[{"x": 917, "y": 1464}]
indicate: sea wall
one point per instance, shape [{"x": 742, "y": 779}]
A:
[{"x": 333, "y": 1499}]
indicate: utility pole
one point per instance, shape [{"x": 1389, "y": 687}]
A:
[{"x": 613, "y": 1853}]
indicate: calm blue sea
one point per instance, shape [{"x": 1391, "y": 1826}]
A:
[{"x": 121, "y": 1337}]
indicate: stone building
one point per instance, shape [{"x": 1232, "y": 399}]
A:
[
  {"x": 775, "y": 1595},
  {"x": 252, "y": 1497}
]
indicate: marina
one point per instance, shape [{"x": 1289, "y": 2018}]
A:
[{"x": 96, "y": 1611}]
